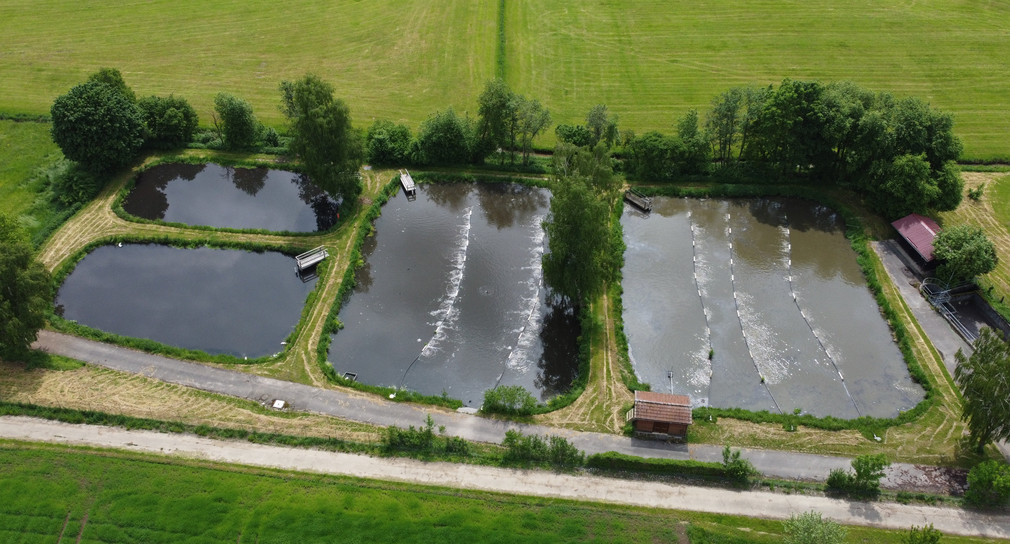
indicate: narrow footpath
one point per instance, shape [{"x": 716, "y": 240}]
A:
[
  {"x": 366, "y": 408},
  {"x": 513, "y": 481}
]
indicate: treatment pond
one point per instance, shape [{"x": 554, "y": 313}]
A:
[
  {"x": 237, "y": 198},
  {"x": 214, "y": 300},
  {"x": 451, "y": 300},
  {"x": 757, "y": 304}
]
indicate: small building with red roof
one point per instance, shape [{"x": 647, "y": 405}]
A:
[
  {"x": 660, "y": 414},
  {"x": 917, "y": 234}
]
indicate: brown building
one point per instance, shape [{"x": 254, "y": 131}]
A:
[{"x": 660, "y": 415}]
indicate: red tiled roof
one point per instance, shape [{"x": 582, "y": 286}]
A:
[
  {"x": 919, "y": 231},
  {"x": 662, "y": 407}
]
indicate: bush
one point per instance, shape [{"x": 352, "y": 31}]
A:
[
  {"x": 811, "y": 528},
  {"x": 738, "y": 470},
  {"x": 534, "y": 449},
  {"x": 171, "y": 122},
  {"x": 75, "y": 186},
  {"x": 988, "y": 484},
  {"x": 388, "y": 143},
  {"x": 417, "y": 440},
  {"x": 922, "y": 535},
  {"x": 509, "y": 400},
  {"x": 865, "y": 481}
]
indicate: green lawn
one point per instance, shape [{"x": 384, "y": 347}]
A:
[
  {"x": 49, "y": 491},
  {"x": 24, "y": 149},
  {"x": 648, "y": 60}
]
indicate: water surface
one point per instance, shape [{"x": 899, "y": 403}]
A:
[
  {"x": 215, "y": 300},
  {"x": 226, "y": 197},
  {"x": 451, "y": 297},
  {"x": 757, "y": 304}
]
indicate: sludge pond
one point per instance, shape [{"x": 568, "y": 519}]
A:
[
  {"x": 757, "y": 304},
  {"x": 226, "y": 197},
  {"x": 220, "y": 301},
  {"x": 451, "y": 298}
]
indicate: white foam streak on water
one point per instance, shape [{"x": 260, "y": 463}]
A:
[
  {"x": 447, "y": 313},
  {"x": 761, "y": 339},
  {"x": 530, "y": 307}
]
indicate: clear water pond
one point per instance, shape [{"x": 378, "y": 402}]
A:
[
  {"x": 451, "y": 297},
  {"x": 757, "y": 304},
  {"x": 219, "y": 301},
  {"x": 226, "y": 197}
]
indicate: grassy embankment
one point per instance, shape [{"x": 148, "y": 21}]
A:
[
  {"x": 26, "y": 151},
  {"x": 649, "y": 61},
  {"x": 56, "y": 492}
]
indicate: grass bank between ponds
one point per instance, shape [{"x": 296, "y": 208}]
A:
[
  {"x": 935, "y": 410},
  {"x": 143, "y": 344}
]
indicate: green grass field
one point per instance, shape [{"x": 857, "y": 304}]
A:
[
  {"x": 49, "y": 492},
  {"x": 648, "y": 60},
  {"x": 389, "y": 59}
]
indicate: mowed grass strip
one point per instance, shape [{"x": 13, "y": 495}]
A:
[
  {"x": 105, "y": 496},
  {"x": 387, "y": 58},
  {"x": 652, "y": 60}
]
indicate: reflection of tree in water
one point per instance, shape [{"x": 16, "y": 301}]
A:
[
  {"x": 148, "y": 198},
  {"x": 805, "y": 216},
  {"x": 248, "y": 180},
  {"x": 448, "y": 195},
  {"x": 504, "y": 203},
  {"x": 559, "y": 364},
  {"x": 323, "y": 205},
  {"x": 363, "y": 275}
]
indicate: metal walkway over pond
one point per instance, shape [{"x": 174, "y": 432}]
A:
[
  {"x": 408, "y": 184},
  {"x": 311, "y": 258},
  {"x": 638, "y": 200}
]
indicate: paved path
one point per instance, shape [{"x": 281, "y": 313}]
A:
[
  {"x": 942, "y": 336},
  {"x": 371, "y": 409},
  {"x": 513, "y": 481}
]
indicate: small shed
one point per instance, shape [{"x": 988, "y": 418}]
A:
[
  {"x": 660, "y": 414},
  {"x": 917, "y": 234}
]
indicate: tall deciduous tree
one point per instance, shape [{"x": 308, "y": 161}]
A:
[
  {"x": 602, "y": 125},
  {"x": 113, "y": 78},
  {"x": 984, "y": 378},
  {"x": 577, "y": 263},
  {"x": 497, "y": 112},
  {"x": 235, "y": 121},
  {"x": 97, "y": 126},
  {"x": 964, "y": 252},
  {"x": 533, "y": 118},
  {"x": 322, "y": 135},
  {"x": 388, "y": 143},
  {"x": 25, "y": 291}
]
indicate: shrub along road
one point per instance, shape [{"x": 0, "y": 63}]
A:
[
  {"x": 512, "y": 481},
  {"x": 366, "y": 408}
]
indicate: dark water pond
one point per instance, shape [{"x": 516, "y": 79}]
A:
[
  {"x": 226, "y": 197},
  {"x": 772, "y": 287},
  {"x": 451, "y": 297},
  {"x": 215, "y": 300}
]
